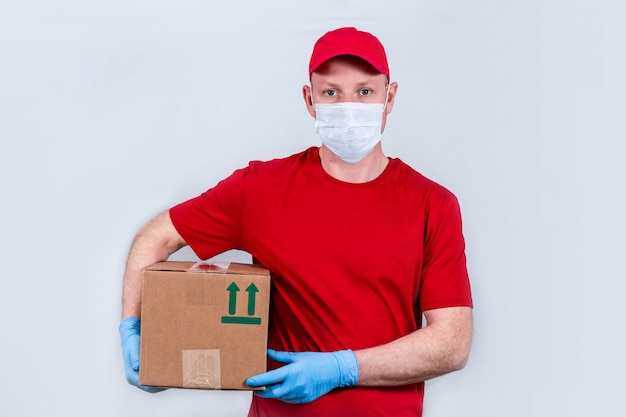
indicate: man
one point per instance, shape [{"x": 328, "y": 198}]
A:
[{"x": 360, "y": 247}]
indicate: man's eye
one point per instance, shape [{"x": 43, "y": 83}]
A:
[
  {"x": 330, "y": 93},
  {"x": 366, "y": 92}
]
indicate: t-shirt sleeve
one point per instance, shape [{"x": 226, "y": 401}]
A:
[
  {"x": 445, "y": 280},
  {"x": 211, "y": 222}
]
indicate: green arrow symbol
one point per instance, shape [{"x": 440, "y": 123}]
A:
[
  {"x": 232, "y": 299},
  {"x": 251, "y": 290}
]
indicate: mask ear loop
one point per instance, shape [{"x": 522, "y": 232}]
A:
[{"x": 386, "y": 97}]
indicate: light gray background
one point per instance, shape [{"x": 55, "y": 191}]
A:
[{"x": 113, "y": 111}]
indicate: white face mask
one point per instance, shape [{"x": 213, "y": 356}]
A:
[{"x": 349, "y": 130}]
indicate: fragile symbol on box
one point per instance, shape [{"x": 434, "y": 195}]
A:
[{"x": 233, "y": 289}]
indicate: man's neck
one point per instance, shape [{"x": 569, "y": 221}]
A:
[{"x": 367, "y": 169}]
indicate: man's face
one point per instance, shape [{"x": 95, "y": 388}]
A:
[{"x": 348, "y": 79}]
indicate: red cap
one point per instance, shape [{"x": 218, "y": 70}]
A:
[{"x": 349, "y": 41}]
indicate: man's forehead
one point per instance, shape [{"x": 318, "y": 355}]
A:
[
  {"x": 338, "y": 79},
  {"x": 346, "y": 61}
]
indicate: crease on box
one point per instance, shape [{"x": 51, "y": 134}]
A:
[{"x": 201, "y": 369}]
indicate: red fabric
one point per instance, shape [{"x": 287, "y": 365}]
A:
[
  {"x": 350, "y": 262},
  {"x": 349, "y": 41}
]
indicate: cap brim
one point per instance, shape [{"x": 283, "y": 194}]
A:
[{"x": 380, "y": 68}]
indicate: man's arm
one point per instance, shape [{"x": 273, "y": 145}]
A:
[
  {"x": 441, "y": 347},
  {"x": 155, "y": 242}
]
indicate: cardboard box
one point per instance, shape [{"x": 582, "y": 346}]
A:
[{"x": 203, "y": 325}]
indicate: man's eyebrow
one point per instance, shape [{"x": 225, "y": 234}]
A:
[
  {"x": 333, "y": 85},
  {"x": 328, "y": 84},
  {"x": 365, "y": 83}
]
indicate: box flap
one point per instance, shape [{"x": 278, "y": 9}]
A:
[
  {"x": 171, "y": 266},
  {"x": 209, "y": 267}
]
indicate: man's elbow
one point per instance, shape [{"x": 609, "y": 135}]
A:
[
  {"x": 455, "y": 328},
  {"x": 459, "y": 359},
  {"x": 459, "y": 356}
]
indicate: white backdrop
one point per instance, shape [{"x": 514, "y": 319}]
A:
[{"x": 113, "y": 111}]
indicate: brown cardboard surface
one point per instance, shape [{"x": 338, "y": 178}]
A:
[{"x": 203, "y": 325}]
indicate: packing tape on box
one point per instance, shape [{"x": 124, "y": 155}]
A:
[
  {"x": 201, "y": 369},
  {"x": 207, "y": 266}
]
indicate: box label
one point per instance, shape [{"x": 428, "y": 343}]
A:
[{"x": 232, "y": 318}]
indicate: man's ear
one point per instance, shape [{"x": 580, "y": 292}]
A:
[
  {"x": 393, "y": 89},
  {"x": 308, "y": 101}
]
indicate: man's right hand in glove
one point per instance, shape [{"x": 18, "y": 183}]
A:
[{"x": 129, "y": 333}]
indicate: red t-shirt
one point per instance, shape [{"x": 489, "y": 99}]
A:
[{"x": 353, "y": 265}]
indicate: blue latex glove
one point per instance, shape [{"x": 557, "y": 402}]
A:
[
  {"x": 129, "y": 333},
  {"x": 308, "y": 376}
]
